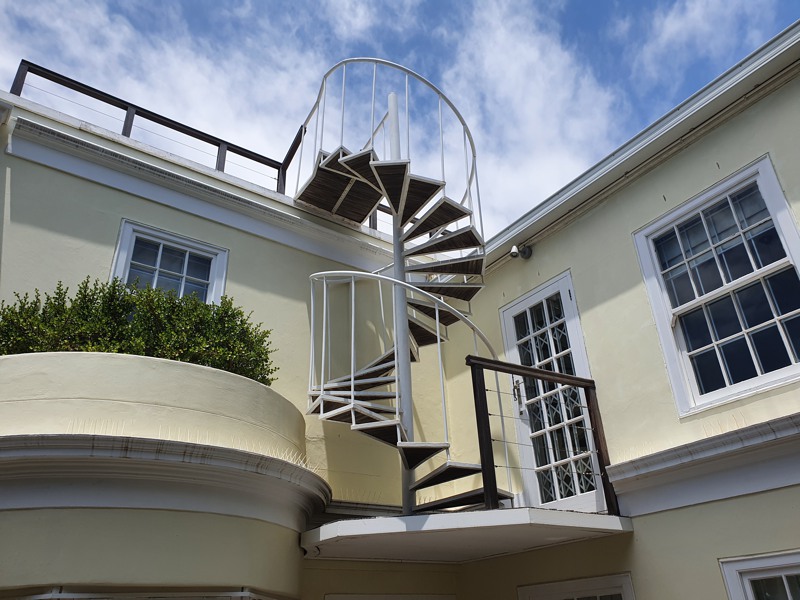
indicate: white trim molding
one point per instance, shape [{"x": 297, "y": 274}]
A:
[
  {"x": 262, "y": 213},
  {"x": 753, "y": 459},
  {"x": 688, "y": 395},
  {"x": 591, "y": 587},
  {"x": 130, "y": 231},
  {"x": 86, "y": 471},
  {"x": 739, "y": 572}
]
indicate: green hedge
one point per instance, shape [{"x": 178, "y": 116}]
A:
[{"x": 112, "y": 317}]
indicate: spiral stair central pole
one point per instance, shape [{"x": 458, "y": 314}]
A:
[{"x": 401, "y": 332}]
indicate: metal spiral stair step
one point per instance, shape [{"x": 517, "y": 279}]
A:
[
  {"x": 463, "y": 500},
  {"x": 416, "y": 453},
  {"x": 324, "y": 189},
  {"x": 444, "y": 212},
  {"x": 357, "y": 202},
  {"x": 460, "y": 291},
  {"x": 360, "y": 385},
  {"x": 350, "y": 413},
  {"x": 322, "y": 401},
  {"x": 389, "y": 432},
  {"x": 420, "y": 190},
  {"x": 361, "y": 394},
  {"x": 466, "y": 237},
  {"x": 445, "y": 316},
  {"x": 373, "y": 370},
  {"x": 331, "y": 162},
  {"x": 358, "y": 164},
  {"x": 423, "y": 334},
  {"x": 448, "y": 471},
  {"x": 470, "y": 265},
  {"x": 393, "y": 180}
]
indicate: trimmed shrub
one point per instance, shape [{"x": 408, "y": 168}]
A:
[{"x": 113, "y": 317}]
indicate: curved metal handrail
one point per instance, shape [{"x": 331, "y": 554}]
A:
[
  {"x": 440, "y": 303},
  {"x": 472, "y": 177}
]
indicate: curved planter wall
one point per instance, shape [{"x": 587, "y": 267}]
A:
[{"x": 125, "y": 471}]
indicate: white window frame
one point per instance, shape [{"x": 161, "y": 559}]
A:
[
  {"x": 738, "y": 572},
  {"x": 592, "y": 586},
  {"x": 593, "y": 501},
  {"x": 130, "y": 231},
  {"x": 681, "y": 377}
]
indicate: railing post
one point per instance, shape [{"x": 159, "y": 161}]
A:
[
  {"x": 490, "y": 495},
  {"x": 19, "y": 79},
  {"x": 222, "y": 153},
  {"x": 599, "y": 437},
  {"x": 127, "y": 126}
]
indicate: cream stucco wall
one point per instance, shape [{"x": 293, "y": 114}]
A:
[
  {"x": 669, "y": 555},
  {"x": 59, "y": 227},
  {"x": 636, "y": 401},
  {"x": 120, "y": 548},
  {"x": 89, "y": 393}
]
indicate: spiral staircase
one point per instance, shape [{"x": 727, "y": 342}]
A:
[{"x": 437, "y": 269}]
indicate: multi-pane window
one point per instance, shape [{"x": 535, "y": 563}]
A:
[
  {"x": 558, "y": 425},
  {"x": 541, "y": 327},
  {"x": 156, "y": 264},
  {"x": 753, "y": 328},
  {"x": 777, "y": 587},
  {"x": 765, "y": 577},
  {"x": 147, "y": 257},
  {"x": 729, "y": 287}
]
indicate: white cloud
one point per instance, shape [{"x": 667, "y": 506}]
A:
[
  {"x": 688, "y": 31},
  {"x": 538, "y": 114},
  {"x": 253, "y": 90}
]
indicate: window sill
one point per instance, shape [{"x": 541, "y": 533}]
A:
[{"x": 741, "y": 391}]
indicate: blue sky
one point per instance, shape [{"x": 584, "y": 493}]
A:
[{"x": 547, "y": 88}]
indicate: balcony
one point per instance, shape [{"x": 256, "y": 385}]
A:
[{"x": 490, "y": 527}]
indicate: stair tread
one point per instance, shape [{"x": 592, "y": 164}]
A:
[
  {"x": 345, "y": 401},
  {"x": 331, "y": 162},
  {"x": 393, "y": 179},
  {"x": 370, "y": 370},
  {"x": 324, "y": 189},
  {"x": 359, "y": 201},
  {"x": 389, "y": 432},
  {"x": 361, "y": 384},
  {"x": 460, "y": 291},
  {"x": 363, "y": 394},
  {"x": 442, "y": 213},
  {"x": 416, "y": 453},
  {"x": 466, "y": 237},
  {"x": 463, "y": 499},
  {"x": 359, "y": 164},
  {"x": 423, "y": 334},
  {"x": 448, "y": 471},
  {"x": 445, "y": 316},
  {"x": 470, "y": 265},
  {"x": 419, "y": 192}
]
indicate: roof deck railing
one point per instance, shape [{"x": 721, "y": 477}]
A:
[{"x": 132, "y": 112}]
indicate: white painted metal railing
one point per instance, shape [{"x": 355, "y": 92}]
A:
[
  {"x": 352, "y": 97},
  {"x": 361, "y": 330}
]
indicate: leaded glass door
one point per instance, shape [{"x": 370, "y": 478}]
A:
[{"x": 559, "y": 466}]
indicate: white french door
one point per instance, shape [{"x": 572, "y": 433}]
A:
[{"x": 557, "y": 457}]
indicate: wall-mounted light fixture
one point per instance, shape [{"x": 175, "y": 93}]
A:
[{"x": 524, "y": 252}]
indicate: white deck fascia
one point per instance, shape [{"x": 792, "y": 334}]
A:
[{"x": 456, "y": 537}]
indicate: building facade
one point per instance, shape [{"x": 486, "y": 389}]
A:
[{"x": 649, "y": 450}]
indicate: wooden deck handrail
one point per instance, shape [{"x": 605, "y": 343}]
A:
[
  {"x": 478, "y": 364},
  {"x": 132, "y": 111}
]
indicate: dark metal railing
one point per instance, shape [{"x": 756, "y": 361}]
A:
[
  {"x": 478, "y": 365},
  {"x": 133, "y": 111}
]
